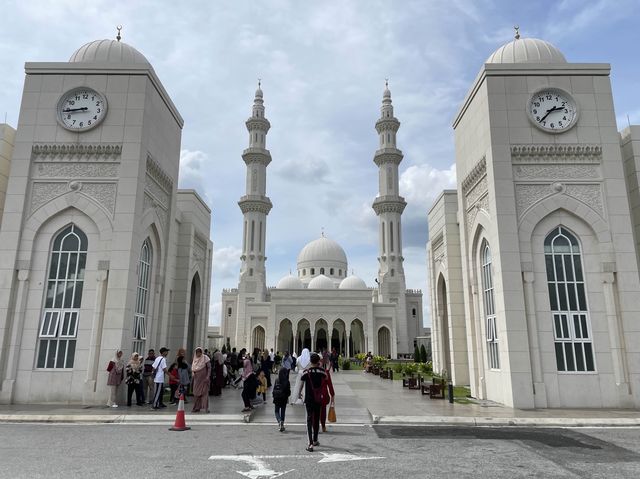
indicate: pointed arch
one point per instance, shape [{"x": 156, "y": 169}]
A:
[{"x": 384, "y": 341}]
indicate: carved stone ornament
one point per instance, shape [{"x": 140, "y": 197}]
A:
[
  {"x": 475, "y": 175},
  {"x": 76, "y": 152},
  {"x": 472, "y": 211},
  {"x": 548, "y": 171},
  {"x": 557, "y": 153},
  {"x": 75, "y": 170},
  {"x": 529, "y": 195},
  {"x": 150, "y": 203},
  {"x": 103, "y": 193}
]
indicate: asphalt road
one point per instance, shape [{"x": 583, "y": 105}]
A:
[{"x": 260, "y": 451}]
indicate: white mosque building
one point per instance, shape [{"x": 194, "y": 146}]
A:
[
  {"x": 533, "y": 259},
  {"x": 322, "y": 306},
  {"x": 99, "y": 249}
]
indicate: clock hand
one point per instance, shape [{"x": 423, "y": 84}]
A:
[
  {"x": 71, "y": 110},
  {"x": 550, "y": 111}
]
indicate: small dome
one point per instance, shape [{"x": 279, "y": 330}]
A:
[
  {"x": 321, "y": 282},
  {"x": 108, "y": 51},
  {"x": 353, "y": 282},
  {"x": 527, "y": 50},
  {"x": 290, "y": 282},
  {"x": 322, "y": 250}
]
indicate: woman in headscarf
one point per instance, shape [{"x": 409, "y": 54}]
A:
[
  {"x": 201, "y": 368},
  {"x": 281, "y": 392},
  {"x": 116, "y": 375},
  {"x": 134, "y": 379},
  {"x": 218, "y": 382},
  {"x": 301, "y": 364},
  {"x": 250, "y": 383}
]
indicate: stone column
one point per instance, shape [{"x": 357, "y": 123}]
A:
[
  {"x": 6, "y": 395},
  {"x": 613, "y": 326},
  {"x": 534, "y": 344},
  {"x": 294, "y": 330},
  {"x": 96, "y": 337},
  {"x": 477, "y": 332},
  {"x": 347, "y": 347}
]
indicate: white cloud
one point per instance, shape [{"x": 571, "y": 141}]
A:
[
  {"x": 226, "y": 262},
  {"x": 421, "y": 184},
  {"x": 215, "y": 312}
]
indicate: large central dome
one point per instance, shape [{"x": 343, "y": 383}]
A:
[
  {"x": 322, "y": 256},
  {"x": 527, "y": 50}
]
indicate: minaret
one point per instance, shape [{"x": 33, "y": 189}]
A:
[
  {"x": 255, "y": 205},
  {"x": 389, "y": 206}
]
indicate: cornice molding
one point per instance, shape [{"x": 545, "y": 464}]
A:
[
  {"x": 389, "y": 204},
  {"x": 388, "y": 155},
  {"x": 260, "y": 124},
  {"x": 73, "y": 151},
  {"x": 155, "y": 171},
  {"x": 257, "y": 204},
  {"x": 256, "y": 155},
  {"x": 387, "y": 124},
  {"x": 558, "y": 153},
  {"x": 475, "y": 175}
]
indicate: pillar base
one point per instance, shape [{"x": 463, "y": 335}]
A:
[{"x": 6, "y": 394}]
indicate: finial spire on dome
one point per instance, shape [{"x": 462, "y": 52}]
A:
[
  {"x": 322, "y": 231},
  {"x": 259, "y": 82},
  {"x": 517, "y": 29},
  {"x": 118, "y": 36}
]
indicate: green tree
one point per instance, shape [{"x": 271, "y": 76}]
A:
[
  {"x": 416, "y": 354},
  {"x": 423, "y": 354}
]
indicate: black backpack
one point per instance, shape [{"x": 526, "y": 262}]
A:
[{"x": 278, "y": 390}]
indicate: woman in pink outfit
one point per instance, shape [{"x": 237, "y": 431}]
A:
[{"x": 201, "y": 369}]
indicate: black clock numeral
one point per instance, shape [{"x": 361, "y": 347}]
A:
[
  {"x": 89, "y": 122},
  {"x": 74, "y": 122},
  {"x": 97, "y": 103},
  {"x": 537, "y": 118},
  {"x": 95, "y": 117},
  {"x": 71, "y": 102},
  {"x": 81, "y": 123},
  {"x": 85, "y": 97},
  {"x": 566, "y": 111},
  {"x": 535, "y": 111},
  {"x": 544, "y": 123},
  {"x": 559, "y": 123},
  {"x": 564, "y": 118},
  {"x": 552, "y": 125},
  {"x": 68, "y": 117},
  {"x": 537, "y": 104},
  {"x": 98, "y": 110}
]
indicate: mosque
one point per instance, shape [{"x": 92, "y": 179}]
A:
[
  {"x": 322, "y": 306},
  {"x": 533, "y": 258},
  {"x": 99, "y": 248}
]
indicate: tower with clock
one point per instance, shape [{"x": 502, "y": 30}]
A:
[
  {"x": 100, "y": 250},
  {"x": 532, "y": 261}
]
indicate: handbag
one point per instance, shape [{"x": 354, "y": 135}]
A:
[
  {"x": 331, "y": 416},
  {"x": 110, "y": 366}
]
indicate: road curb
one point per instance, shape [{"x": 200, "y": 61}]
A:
[
  {"x": 512, "y": 421},
  {"x": 120, "y": 419}
]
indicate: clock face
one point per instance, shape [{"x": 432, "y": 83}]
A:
[
  {"x": 81, "y": 109},
  {"x": 552, "y": 110}
]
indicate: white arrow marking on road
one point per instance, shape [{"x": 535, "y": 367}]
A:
[{"x": 262, "y": 470}]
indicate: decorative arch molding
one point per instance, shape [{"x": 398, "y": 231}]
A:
[
  {"x": 60, "y": 205},
  {"x": 549, "y": 205},
  {"x": 481, "y": 227}
]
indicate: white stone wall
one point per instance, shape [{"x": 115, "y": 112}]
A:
[{"x": 7, "y": 135}]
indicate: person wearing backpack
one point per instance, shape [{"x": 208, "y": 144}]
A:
[
  {"x": 280, "y": 393},
  {"x": 314, "y": 379}
]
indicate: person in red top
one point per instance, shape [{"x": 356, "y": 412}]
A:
[
  {"x": 174, "y": 382},
  {"x": 314, "y": 379},
  {"x": 329, "y": 394}
]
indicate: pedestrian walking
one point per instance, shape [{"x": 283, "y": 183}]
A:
[
  {"x": 314, "y": 379},
  {"x": 133, "y": 379},
  {"x": 301, "y": 364},
  {"x": 250, "y": 384},
  {"x": 328, "y": 397},
  {"x": 148, "y": 386},
  {"x": 280, "y": 393},
  {"x": 184, "y": 373},
  {"x": 266, "y": 366},
  {"x": 287, "y": 361},
  {"x": 159, "y": 370},
  {"x": 201, "y": 368},
  {"x": 174, "y": 382},
  {"x": 262, "y": 385},
  {"x": 115, "y": 377},
  {"x": 334, "y": 360},
  {"x": 218, "y": 373}
]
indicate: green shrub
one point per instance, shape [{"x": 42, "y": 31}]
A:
[
  {"x": 423, "y": 354},
  {"x": 426, "y": 368},
  {"x": 397, "y": 368},
  {"x": 380, "y": 361},
  {"x": 346, "y": 365},
  {"x": 416, "y": 354},
  {"x": 410, "y": 368}
]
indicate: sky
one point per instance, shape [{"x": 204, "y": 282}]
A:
[{"x": 323, "y": 66}]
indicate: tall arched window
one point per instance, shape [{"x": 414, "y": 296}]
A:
[
  {"x": 142, "y": 298},
  {"x": 568, "y": 301},
  {"x": 488, "y": 300},
  {"x": 65, "y": 281}
]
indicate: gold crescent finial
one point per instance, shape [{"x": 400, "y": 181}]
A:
[
  {"x": 259, "y": 82},
  {"x": 118, "y": 36},
  {"x": 322, "y": 231},
  {"x": 386, "y": 83},
  {"x": 517, "y": 29}
]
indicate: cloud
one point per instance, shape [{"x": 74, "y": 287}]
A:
[
  {"x": 215, "y": 312},
  {"x": 311, "y": 169},
  {"x": 193, "y": 166},
  {"x": 226, "y": 262}
]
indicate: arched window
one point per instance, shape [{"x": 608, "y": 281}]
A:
[
  {"x": 568, "y": 301},
  {"x": 313, "y": 271},
  {"x": 414, "y": 312},
  {"x": 229, "y": 311},
  {"x": 331, "y": 271},
  {"x": 321, "y": 270},
  {"x": 304, "y": 271},
  {"x": 339, "y": 272},
  {"x": 65, "y": 281},
  {"x": 493, "y": 355},
  {"x": 142, "y": 298}
]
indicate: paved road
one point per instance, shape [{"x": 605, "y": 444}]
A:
[{"x": 112, "y": 451}]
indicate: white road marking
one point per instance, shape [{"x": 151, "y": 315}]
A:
[{"x": 263, "y": 470}]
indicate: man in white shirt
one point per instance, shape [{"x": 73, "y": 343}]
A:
[{"x": 159, "y": 370}]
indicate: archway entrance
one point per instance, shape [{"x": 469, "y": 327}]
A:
[
  {"x": 258, "y": 337},
  {"x": 303, "y": 336},
  {"x": 384, "y": 342},
  {"x": 443, "y": 316},
  {"x": 356, "y": 340},
  {"x": 320, "y": 335},
  {"x": 338, "y": 339},
  {"x": 194, "y": 313},
  {"x": 285, "y": 337}
]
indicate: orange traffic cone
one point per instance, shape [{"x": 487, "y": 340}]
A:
[{"x": 180, "y": 424}]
